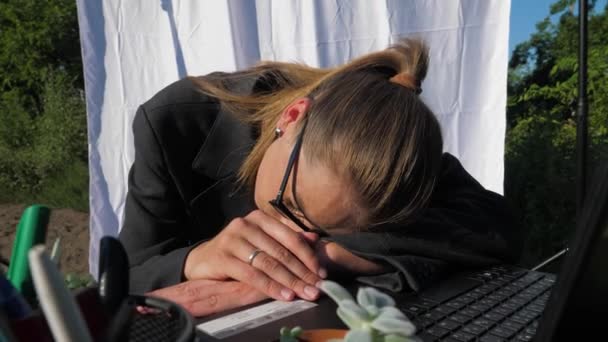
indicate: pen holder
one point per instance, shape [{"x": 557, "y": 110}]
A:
[
  {"x": 136, "y": 317},
  {"x": 139, "y": 318},
  {"x": 35, "y": 326},
  {"x": 150, "y": 319}
]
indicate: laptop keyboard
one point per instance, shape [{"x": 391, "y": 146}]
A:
[{"x": 502, "y": 304}]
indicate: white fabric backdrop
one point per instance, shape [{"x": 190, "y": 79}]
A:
[{"x": 131, "y": 49}]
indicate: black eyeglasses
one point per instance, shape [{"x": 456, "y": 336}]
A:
[{"x": 278, "y": 204}]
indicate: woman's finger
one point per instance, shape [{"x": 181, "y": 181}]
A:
[
  {"x": 310, "y": 237},
  {"x": 290, "y": 239},
  {"x": 261, "y": 240},
  {"x": 258, "y": 258}
]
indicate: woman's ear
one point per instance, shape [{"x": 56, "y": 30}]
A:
[{"x": 293, "y": 113}]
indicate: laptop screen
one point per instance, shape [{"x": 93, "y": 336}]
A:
[{"x": 578, "y": 305}]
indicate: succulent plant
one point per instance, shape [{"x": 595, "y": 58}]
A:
[
  {"x": 372, "y": 318},
  {"x": 76, "y": 281},
  {"x": 290, "y": 335}
]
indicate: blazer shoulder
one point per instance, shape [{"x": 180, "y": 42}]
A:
[
  {"x": 179, "y": 109},
  {"x": 178, "y": 118},
  {"x": 181, "y": 92},
  {"x": 453, "y": 172}
]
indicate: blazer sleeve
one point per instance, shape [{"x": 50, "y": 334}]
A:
[
  {"x": 463, "y": 226},
  {"x": 155, "y": 215}
]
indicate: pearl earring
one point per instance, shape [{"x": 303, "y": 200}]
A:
[{"x": 278, "y": 132}]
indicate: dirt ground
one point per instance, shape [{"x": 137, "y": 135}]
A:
[{"x": 72, "y": 226}]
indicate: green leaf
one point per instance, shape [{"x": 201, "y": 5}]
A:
[
  {"x": 388, "y": 325},
  {"x": 352, "y": 314},
  {"x": 358, "y": 336},
  {"x": 367, "y": 296},
  {"x": 335, "y": 291},
  {"x": 296, "y": 331},
  {"x": 372, "y": 310},
  {"x": 289, "y": 335},
  {"x": 392, "y": 312},
  {"x": 398, "y": 338},
  {"x": 71, "y": 278}
]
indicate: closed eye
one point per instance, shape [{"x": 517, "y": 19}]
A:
[{"x": 296, "y": 211}]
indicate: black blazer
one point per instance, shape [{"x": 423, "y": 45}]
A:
[{"x": 182, "y": 191}]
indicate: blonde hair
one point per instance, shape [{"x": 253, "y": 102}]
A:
[{"x": 365, "y": 120}]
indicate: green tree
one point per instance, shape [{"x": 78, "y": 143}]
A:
[
  {"x": 540, "y": 158},
  {"x": 43, "y": 146},
  {"x": 36, "y": 36}
]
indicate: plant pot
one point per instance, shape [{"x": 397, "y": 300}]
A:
[{"x": 322, "y": 335}]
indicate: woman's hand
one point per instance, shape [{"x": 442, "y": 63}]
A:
[
  {"x": 286, "y": 264},
  {"x": 204, "y": 297}
]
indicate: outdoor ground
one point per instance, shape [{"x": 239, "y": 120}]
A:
[{"x": 71, "y": 225}]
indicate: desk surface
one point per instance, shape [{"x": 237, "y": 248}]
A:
[{"x": 321, "y": 316}]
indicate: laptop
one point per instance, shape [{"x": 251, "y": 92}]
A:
[
  {"x": 499, "y": 303},
  {"x": 506, "y": 303}
]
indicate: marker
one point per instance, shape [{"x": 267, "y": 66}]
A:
[{"x": 59, "y": 306}]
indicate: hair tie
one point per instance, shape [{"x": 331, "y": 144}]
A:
[{"x": 406, "y": 80}]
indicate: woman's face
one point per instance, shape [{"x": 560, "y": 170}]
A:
[{"x": 315, "y": 193}]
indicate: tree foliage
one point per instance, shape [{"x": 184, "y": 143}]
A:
[
  {"x": 540, "y": 157},
  {"x": 37, "y": 35},
  {"x": 43, "y": 145}
]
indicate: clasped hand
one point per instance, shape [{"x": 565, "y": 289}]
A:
[
  {"x": 285, "y": 265},
  {"x": 221, "y": 273}
]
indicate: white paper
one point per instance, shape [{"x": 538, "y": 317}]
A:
[{"x": 257, "y": 316}]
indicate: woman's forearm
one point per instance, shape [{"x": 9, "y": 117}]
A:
[{"x": 204, "y": 297}]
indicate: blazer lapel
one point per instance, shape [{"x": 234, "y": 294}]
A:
[
  {"x": 225, "y": 148},
  {"x": 227, "y": 145}
]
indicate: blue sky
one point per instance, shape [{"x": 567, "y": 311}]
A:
[{"x": 524, "y": 16}]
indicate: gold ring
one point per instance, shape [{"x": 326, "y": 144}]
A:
[{"x": 253, "y": 255}]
